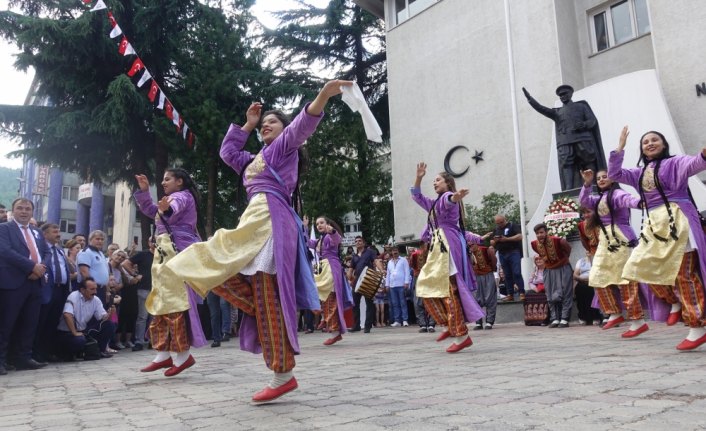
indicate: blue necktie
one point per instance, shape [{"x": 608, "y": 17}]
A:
[{"x": 57, "y": 267}]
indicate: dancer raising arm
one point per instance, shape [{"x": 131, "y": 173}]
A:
[
  {"x": 263, "y": 260},
  {"x": 334, "y": 290},
  {"x": 672, "y": 247},
  {"x": 611, "y": 212},
  {"x": 176, "y": 324},
  {"x": 446, "y": 282}
]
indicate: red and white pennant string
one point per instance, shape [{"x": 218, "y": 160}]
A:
[{"x": 155, "y": 92}]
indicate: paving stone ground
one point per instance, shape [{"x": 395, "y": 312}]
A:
[{"x": 512, "y": 378}]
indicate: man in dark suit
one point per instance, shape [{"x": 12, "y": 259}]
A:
[
  {"x": 54, "y": 294},
  {"x": 22, "y": 272}
]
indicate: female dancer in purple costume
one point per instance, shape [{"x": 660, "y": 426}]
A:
[
  {"x": 340, "y": 297},
  {"x": 672, "y": 247},
  {"x": 176, "y": 324},
  {"x": 451, "y": 304}
]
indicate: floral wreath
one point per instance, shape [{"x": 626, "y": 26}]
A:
[{"x": 562, "y": 217}]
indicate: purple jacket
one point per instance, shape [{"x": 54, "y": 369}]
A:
[{"x": 276, "y": 174}]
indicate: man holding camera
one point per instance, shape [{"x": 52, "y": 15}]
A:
[
  {"x": 507, "y": 240},
  {"x": 84, "y": 316}
]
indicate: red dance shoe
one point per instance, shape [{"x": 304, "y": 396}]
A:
[
  {"x": 154, "y": 366},
  {"x": 444, "y": 335},
  {"x": 634, "y": 333},
  {"x": 269, "y": 394},
  {"x": 173, "y": 371},
  {"x": 691, "y": 345},
  {"x": 614, "y": 322},
  {"x": 458, "y": 347},
  {"x": 333, "y": 340},
  {"x": 674, "y": 318}
]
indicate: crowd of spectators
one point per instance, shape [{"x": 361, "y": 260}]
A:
[{"x": 76, "y": 299}]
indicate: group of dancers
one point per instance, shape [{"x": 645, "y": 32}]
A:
[
  {"x": 667, "y": 262},
  {"x": 262, "y": 266}
]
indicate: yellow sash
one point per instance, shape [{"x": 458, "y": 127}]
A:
[
  {"x": 433, "y": 281},
  {"x": 165, "y": 298},
  {"x": 324, "y": 280}
]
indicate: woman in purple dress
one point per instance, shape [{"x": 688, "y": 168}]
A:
[
  {"x": 446, "y": 282},
  {"x": 176, "y": 325},
  {"x": 672, "y": 247},
  {"x": 334, "y": 290},
  {"x": 611, "y": 212},
  {"x": 263, "y": 261}
]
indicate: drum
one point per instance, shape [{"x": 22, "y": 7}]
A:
[{"x": 368, "y": 283}]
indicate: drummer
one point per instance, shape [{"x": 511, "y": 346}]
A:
[{"x": 363, "y": 257}]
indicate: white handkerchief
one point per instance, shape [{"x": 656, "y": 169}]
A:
[{"x": 353, "y": 97}]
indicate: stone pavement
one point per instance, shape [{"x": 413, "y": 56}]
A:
[{"x": 512, "y": 378}]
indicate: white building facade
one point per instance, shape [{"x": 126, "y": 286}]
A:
[{"x": 449, "y": 67}]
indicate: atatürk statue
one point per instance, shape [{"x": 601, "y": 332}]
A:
[{"x": 578, "y": 137}]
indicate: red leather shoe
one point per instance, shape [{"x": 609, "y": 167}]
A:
[
  {"x": 444, "y": 335},
  {"x": 333, "y": 340},
  {"x": 269, "y": 394},
  {"x": 674, "y": 318},
  {"x": 614, "y": 322},
  {"x": 173, "y": 371},
  {"x": 691, "y": 345},
  {"x": 458, "y": 347},
  {"x": 636, "y": 332},
  {"x": 154, "y": 366}
]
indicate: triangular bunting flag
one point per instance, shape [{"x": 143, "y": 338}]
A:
[
  {"x": 162, "y": 99},
  {"x": 87, "y": 1},
  {"x": 112, "y": 20},
  {"x": 184, "y": 130},
  {"x": 125, "y": 48},
  {"x": 137, "y": 66},
  {"x": 115, "y": 32},
  {"x": 180, "y": 125},
  {"x": 100, "y": 5},
  {"x": 144, "y": 78},
  {"x": 168, "y": 109},
  {"x": 190, "y": 139},
  {"x": 175, "y": 117},
  {"x": 154, "y": 88}
]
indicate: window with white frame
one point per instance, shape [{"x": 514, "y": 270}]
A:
[
  {"x": 69, "y": 193},
  {"x": 405, "y": 9},
  {"x": 618, "y": 22}
]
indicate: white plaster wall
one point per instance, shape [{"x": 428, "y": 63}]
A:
[
  {"x": 449, "y": 85},
  {"x": 679, "y": 38}
]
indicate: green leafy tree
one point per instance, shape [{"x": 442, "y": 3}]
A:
[
  {"x": 98, "y": 124},
  {"x": 480, "y": 219},
  {"x": 347, "y": 171}
]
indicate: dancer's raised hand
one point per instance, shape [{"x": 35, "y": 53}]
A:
[
  {"x": 623, "y": 139},
  {"x": 587, "y": 177},
  {"x": 142, "y": 182},
  {"x": 460, "y": 194},
  {"x": 421, "y": 169}
]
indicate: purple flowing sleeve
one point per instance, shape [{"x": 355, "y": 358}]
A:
[
  {"x": 420, "y": 199},
  {"x": 617, "y": 173},
  {"x": 232, "y": 152},
  {"x": 623, "y": 199},
  {"x": 473, "y": 238},
  {"x": 311, "y": 243},
  {"x": 334, "y": 239},
  {"x": 180, "y": 201},
  {"x": 144, "y": 202},
  {"x": 692, "y": 165},
  {"x": 586, "y": 198}
]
